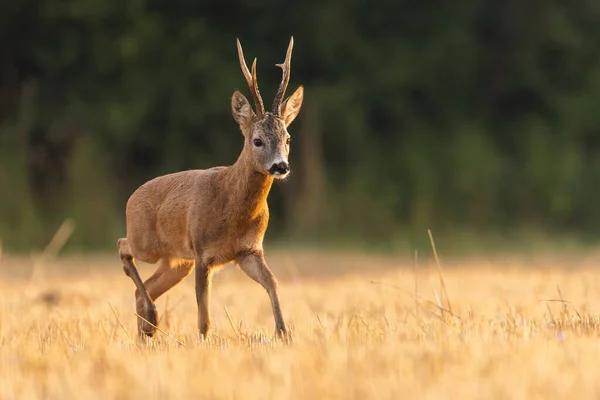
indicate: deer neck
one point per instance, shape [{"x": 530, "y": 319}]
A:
[{"x": 249, "y": 188}]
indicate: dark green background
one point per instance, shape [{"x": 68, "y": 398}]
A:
[{"x": 477, "y": 119}]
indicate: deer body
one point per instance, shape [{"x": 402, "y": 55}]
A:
[
  {"x": 204, "y": 219},
  {"x": 195, "y": 211}
]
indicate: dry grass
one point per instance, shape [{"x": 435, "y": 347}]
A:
[{"x": 358, "y": 331}]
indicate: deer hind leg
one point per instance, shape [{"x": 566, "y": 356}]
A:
[
  {"x": 254, "y": 265},
  {"x": 168, "y": 274},
  {"x": 144, "y": 305}
]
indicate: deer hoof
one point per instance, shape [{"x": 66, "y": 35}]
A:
[
  {"x": 147, "y": 325},
  {"x": 283, "y": 334}
]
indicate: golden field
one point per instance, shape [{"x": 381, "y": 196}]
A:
[{"x": 68, "y": 330}]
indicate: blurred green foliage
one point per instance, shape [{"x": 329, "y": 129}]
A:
[{"x": 471, "y": 116}]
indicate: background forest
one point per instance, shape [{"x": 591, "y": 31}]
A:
[{"x": 476, "y": 119}]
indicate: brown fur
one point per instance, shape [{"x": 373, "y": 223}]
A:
[{"x": 204, "y": 219}]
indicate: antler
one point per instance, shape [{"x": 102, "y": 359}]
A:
[
  {"x": 251, "y": 80},
  {"x": 284, "y": 80}
]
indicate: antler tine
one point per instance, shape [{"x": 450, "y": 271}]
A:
[
  {"x": 251, "y": 80},
  {"x": 284, "y": 79},
  {"x": 243, "y": 65},
  {"x": 255, "y": 91}
]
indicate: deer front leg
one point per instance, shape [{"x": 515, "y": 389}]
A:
[
  {"x": 144, "y": 304},
  {"x": 254, "y": 265},
  {"x": 203, "y": 285}
]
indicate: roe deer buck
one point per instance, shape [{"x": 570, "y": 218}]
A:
[{"x": 208, "y": 218}]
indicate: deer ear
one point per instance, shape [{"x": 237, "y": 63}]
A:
[
  {"x": 291, "y": 106},
  {"x": 241, "y": 109}
]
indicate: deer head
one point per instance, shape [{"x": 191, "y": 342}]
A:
[{"x": 267, "y": 141}]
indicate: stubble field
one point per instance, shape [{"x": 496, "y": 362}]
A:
[{"x": 514, "y": 328}]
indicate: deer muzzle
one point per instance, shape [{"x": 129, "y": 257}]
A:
[{"x": 279, "y": 169}]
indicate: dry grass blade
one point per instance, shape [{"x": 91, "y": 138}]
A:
[
  {"x": 350, "y": 320},
  {"x": 363, "y": 322},
  {"x": 576, "y": 312},
  {"x": 555, "y": 301},
  {"x": 437, "y": 305},
  {"x": 437, "y": 299},
  {"x": 231, "y": 323},
  {"x": 436, "y": 295},
  {"x": 121, "y": 323},
  {"x": 58, "y": 241},
  {"x": 565, "y": 310},
  {"x": 437, "y": 261},
  {"x": 64, "y": 335},
  {"x": 160, "y": 330},
  {"x": 551, "y": 316},
  {"x": 323, "y": 327},
  {"x": 416, "y": 285},
  {"x": 564, "y": 306},
  {"x": 564, "y": 302}
]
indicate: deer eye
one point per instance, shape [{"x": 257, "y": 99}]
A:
[
  {"x": 257, "y": 142},
  {"x": 288, "y": 140}
]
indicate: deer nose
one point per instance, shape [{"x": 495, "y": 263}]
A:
[{"x": 282, "y": 168}]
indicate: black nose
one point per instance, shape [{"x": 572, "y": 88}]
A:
[{"x": 282, "y": 168}]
